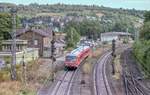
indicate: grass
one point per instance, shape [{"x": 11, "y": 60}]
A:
[
  {"x": 10, "y": 88},
  {"x": 118, "y": 68},
  {"x": 15, "y": 88},
  {"x": 4, "y": 75},
  {"x": 87, "y": 67},
  {"x": 35, "y": 78}
]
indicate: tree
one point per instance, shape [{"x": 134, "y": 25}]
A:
[
  {"x": 147, "y": 16},
  {"x": 5, "y": 25},
  {"x": 142, "y": 47},
  {"x": 89, "y": 28},
  {"x": 145, "y": 32},
  {"x": 72, "y": 37}
]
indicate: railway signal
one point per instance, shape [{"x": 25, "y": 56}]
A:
[
  {"x": 52, "y": 53},
  {"x": 113, "y": 47},
  {"x": 114, "y": 55}
]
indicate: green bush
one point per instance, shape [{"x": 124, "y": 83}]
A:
[
  {"x": 141, "y": 51},
  {"x": 105, "y": 42},
  {"x": 4, "y": 75},
  {"x": 125, "y": 41}
]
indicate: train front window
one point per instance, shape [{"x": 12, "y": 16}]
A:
[{"x": 70, "y": 58}]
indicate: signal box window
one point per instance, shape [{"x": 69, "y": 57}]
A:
[{"x": 35, "y": 42}]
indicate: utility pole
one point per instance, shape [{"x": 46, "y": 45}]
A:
[
  {"x": 52, "y": 54},
  {"x": 13, "y": 64},
  {"x": 127, "y": 39},
  {"x": 24, "y": 70},
  {"x": 137, "y": 35},
  {"x": 71, "y": 36}
]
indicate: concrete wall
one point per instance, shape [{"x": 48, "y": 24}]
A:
[{"x": 29, "y": 55}]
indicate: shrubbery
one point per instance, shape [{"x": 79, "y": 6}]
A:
[
  {"x": 142, "y": 47},
  {"x": 141, "y": 51}
]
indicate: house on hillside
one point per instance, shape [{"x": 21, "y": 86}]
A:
[{"x": 37, "y": 38}]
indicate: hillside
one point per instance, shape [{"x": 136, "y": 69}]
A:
[
  {"x": 111, "y": 19},
  {"x": 36, "y": 9}
]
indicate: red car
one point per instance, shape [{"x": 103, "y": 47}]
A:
[{"x": 75, "y": 57}]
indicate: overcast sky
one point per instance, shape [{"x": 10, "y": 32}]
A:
[{"x": 137, "y": 4}]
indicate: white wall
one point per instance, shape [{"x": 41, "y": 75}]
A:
[{"x": 108, "y": 38}]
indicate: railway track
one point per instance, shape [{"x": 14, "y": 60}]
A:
[
  {"x": 65, "y": 81},
  {"x": 132, "y": 85},
  {"x": 62, "y": 87},
  {"x": 101, "y": 86},
  {"x": 64, "y": 84}
]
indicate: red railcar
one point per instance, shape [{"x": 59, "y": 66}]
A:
[{"x": 75, "y": 57}]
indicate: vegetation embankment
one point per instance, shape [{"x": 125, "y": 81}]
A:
[
  {"x": 93, "y": 58},
  {"x": 142, "y": 46},
  {"x": 28, "y": 80}
]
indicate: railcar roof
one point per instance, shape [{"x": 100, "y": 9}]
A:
[{"x": 77, "y": 51}]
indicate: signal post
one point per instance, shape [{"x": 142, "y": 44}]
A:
[
  {"x": 52, "y": 55},
  {"x": 113, "y": 55}
]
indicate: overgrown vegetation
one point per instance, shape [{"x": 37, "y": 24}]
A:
[
  {"x": 72, "y": 36},
  {"x": 142, "y": 54},
  {"x": 88, "y": 28},
  {"x": 36, "y": 73},
  {"x": 142, "y": 47},
  {"x": 6, "y": 26}
]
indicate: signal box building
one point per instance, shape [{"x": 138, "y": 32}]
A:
[{"x": 37, "y": 38}]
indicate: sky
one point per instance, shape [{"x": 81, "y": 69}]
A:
[{"x": 127, "y": 4}]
